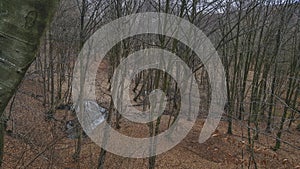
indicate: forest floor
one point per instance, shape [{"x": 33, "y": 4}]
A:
[{"x": 36, "y": 143}]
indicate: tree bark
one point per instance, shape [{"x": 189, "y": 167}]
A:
[{"x": 22, "y": 23}]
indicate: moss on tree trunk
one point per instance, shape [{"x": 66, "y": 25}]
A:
[{"x": 22, "y": 23}]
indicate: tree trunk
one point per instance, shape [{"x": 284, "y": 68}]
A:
[{"x": 22, "y": 23}]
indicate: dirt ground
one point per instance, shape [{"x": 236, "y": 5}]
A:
[{"x": 36, "y": 143}]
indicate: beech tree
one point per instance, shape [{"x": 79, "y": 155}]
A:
[{"x": 21, "y": 27}]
